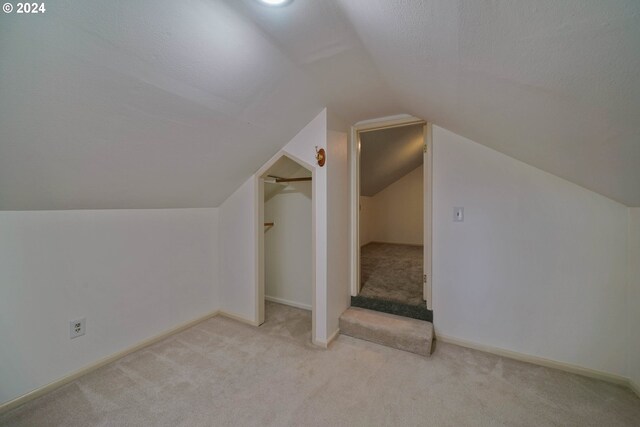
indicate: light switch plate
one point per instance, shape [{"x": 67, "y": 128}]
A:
[{"x": 458, "y": 214}]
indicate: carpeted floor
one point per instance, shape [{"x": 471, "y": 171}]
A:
[
  {"x": 392, "y": 272},
  {"x": 224, "y": 373}
]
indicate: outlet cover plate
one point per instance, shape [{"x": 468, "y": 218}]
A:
[{"x": 77, "y": 328}]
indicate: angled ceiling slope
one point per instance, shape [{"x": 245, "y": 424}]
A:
[
  {"x": 387, "y": 155},
  {"x": 555, "y": 84},
  {"x": 163, "y": 104},
  {"x": 158, "y": 103}
]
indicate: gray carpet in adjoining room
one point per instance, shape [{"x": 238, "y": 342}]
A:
[
  {"x": 225, "y": 373},
  {"x": 392, "y": 272}
]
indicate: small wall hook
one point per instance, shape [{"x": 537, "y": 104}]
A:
[{"x": 321, "y": 156}]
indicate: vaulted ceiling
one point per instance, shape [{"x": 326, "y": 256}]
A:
[{"x": 159, "y": 103}]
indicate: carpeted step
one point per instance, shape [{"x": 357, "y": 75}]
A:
[
  {"x": 399, "y": 332},
  {"x": 420, "y": 312}
]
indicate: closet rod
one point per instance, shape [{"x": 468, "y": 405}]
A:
[{"x": 278, "y": 179}]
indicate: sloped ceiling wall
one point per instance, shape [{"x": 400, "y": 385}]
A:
[
  {"x": 387, "y": 155},
  {"x": 160, "y": 103},
  {"x": 555, "y": 84}
]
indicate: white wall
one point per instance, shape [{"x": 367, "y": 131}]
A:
[
  {"x": 239, "y": 239},
  {"x": 396, "y": 213},
  {"x": 366, "y": 220},
  {"x": 539, "y": 264},
  {"x": 288, "y": 246},
  {"x": 238, "y": 252},
  {"x": 302, "y": 147},
  {"x": 633, "y": 300},
  {"x": 132, "y": 273},
  {"x": 338, "y": 291}
]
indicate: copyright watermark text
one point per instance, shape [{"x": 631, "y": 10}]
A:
[{"x": 24, "y": 8}]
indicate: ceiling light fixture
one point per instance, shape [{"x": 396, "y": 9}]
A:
[{"x": 275, "y": 2}]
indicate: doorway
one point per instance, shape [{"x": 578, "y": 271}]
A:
[
  {"x": 391, "y": 216},
  {"x": 286, "y": 249}
]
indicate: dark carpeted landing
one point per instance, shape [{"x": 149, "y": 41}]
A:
[
  {"x": 392, "y": 272},
  {"x": 418, "y": 311},
  {"x": 391, "y": 276}
]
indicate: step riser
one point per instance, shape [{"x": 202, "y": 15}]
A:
[
  {"x": 355, "y": 331},
  {"x": 405, "y": 334}
]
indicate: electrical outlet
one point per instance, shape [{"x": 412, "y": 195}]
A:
[{"x": 77, "y": 328}]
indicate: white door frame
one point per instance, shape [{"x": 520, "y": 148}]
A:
[
  {"x": 354, "y": 163},
  {"x": 428, "y": 213}
]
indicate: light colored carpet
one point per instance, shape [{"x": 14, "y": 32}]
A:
[
  {"x": 221, "y": 372},
  {"x": 392, "y": 272}
]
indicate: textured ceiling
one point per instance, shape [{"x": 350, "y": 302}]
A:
[
  {"x": 387, "y": 155},
  {"x": 555, "y": 84},
  {"x": 161, "y": 103}
]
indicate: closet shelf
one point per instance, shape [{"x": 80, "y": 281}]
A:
[{"x": 280, "y": 179}]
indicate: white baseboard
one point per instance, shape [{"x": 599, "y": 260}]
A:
[
  {"x": 541, "y": 361},
  {"x": 327, "y": 343},
  {"x": 288, "y": 302},
  {"x": 333, "y": 336},
  {"x": 7, "y": 406},
  {"x": 635, "y": 387},
  {"x": 238, "y": 318}
]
